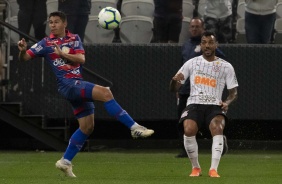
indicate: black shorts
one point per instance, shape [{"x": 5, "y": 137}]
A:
[{"x": 202, "y": 114}]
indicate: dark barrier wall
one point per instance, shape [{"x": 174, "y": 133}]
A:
[{"x": 141, "y": 75}]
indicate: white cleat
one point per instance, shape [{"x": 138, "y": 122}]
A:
[
  {"x": 141, "y": 131},
  {"x": 65, "y": 167}
]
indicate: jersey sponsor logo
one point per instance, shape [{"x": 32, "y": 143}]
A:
[
  {"x": 76, "y": 43},
  {"x": 207, "y": 98},
  {"x": 38, "y": 48},
  {"x": 75, "y": 71},
  {"x": 58, "y": 62},
  {"x": 205, "y": 81}
]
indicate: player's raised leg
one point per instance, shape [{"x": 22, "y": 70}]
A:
[{"x": 105, "y": 95}]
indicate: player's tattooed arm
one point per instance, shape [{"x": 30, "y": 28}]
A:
[{"x": 233, "y": 95}]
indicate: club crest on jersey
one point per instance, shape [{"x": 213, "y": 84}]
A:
[
  {"x": 215, "y": 67},
  {"x": 66, "y": 49}
]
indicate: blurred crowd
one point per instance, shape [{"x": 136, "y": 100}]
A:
[{"x": 224, "y": 17}]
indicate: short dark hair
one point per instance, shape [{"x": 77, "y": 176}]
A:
[
  {"x": 198, "y": 18},
  {"x": 60, "y": 14},
  {"x": 208, "y": 33}
]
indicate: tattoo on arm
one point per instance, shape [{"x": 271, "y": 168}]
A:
[{"x": 231, "y": 96}]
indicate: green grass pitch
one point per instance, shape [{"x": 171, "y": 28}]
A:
[{"x": 139, "y": 166}]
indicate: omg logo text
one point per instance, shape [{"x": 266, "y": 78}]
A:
[{"x": 205, "y": 81}]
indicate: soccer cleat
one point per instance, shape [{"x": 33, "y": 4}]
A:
[
  {"x": 65, "y": 167},
  {"x": 213, "y": 173},
  {"x": 141, "y": 131},
  {"x": 225, "y": 146},
  {"x": 196, "y": 172}
]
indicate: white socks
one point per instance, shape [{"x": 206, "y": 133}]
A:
[
  {"x": 217, "y": 147},
  {"x": 67, "y": 162},
  {"x": 134, "y": 126},
  {"x": 191, "y": 148}
]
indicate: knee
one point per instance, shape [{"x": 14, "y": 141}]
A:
[
  {"x": 189, "y": 132},
  {"x": 216, "y": 128},
  {"x": 87, "y": 129},
  {"x": 190, "y": 128},
  {"x": 107, "y": 94}
]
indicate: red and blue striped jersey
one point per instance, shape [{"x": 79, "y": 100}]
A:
[{"x": 63, "y": 69}]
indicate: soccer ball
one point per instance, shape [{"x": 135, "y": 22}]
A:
[{"x": 109, "y": 18}]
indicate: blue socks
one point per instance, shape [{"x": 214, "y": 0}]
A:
[
  {"x": 114, "y": 109},
  {"x": 75, "y": 144},
  {"x": 78, "y": 137}
]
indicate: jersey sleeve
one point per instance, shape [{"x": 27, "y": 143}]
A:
[
  {"x": 37, "y": 50},
  {"x": 231, "y": 79},
  {"x": 78, "y": 47},
  {"x": 185, "y": 70}
]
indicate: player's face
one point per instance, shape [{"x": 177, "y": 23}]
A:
[
  {"x": 57, "y": 26},
  {"x": 208, "y": 46},
  {"x": 196, "y": 28}
]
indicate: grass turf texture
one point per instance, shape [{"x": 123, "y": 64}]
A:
[{"x": 134, "y": 167}]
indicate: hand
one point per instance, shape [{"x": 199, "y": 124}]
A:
[
  {"x": 22, "y": 45},
  {"x": 224, "y": 106},
  {"x": 175, "y": 82},
  {"x": 57, "y": 49}
]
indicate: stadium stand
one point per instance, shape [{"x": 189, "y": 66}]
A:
[
  {"x": 136, "y": 29},
  {"x": 138, "y": 7},
  {"x": 98, "y": 5},
  {"x": 96, "y": 34}
]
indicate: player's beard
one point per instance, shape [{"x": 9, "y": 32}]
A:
[{"x": 208, "y": 53}]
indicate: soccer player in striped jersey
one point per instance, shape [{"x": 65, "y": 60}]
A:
[
  {"x": 208, "y": 76},
  {"x": 64, "y": 52}
]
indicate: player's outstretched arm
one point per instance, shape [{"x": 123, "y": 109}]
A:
[
  {"x": 175, "y": 83},
  {"x": 22, "y": 45}
]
